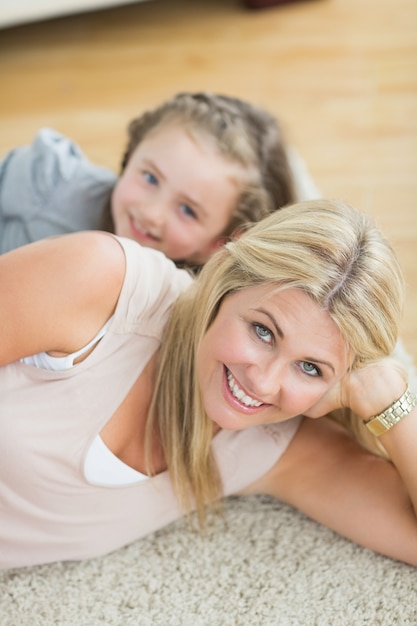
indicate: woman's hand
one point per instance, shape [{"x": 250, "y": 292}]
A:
[
  {"x": 366, "y": 391},
  {"x": 369, "y": 391}
]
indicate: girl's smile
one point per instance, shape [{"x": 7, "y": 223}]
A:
[
  {"x": 139, "y": 233},
  {"x": 267, "y": 358}
]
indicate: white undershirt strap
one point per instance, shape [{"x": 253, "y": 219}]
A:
[{"x": 45, "y": 361}]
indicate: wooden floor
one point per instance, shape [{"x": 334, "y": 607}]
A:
[{"x": 340, "y": 74}]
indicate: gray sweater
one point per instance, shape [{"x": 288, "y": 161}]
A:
[{"x": 50, "y": 188}]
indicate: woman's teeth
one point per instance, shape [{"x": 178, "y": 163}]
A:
[{"x": 239, "y": 394}]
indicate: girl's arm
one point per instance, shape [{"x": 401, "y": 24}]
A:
[
  {"x": 57, "y": 293},
  {"x": 326, "y": 474}
]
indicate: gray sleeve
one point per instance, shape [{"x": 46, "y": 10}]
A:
[{"x": 50, "y": 188}]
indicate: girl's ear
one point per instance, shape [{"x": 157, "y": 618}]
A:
[
  {"x": 210, "y": 249},
  {"x": 221, "y": 241},
  {"x": 236, "y": 233}
]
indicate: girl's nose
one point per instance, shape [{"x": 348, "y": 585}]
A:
[{"x": 155, "y": 213}]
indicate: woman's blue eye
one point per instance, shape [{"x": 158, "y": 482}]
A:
[
  {"x": 150, "y": 178},
  {"x": 188, "y": 211},
  {"x": 263, "y": 333},
  {"x": 310, "y": 369}
]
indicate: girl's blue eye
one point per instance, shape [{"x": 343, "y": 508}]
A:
[
  {"x": 150, "y": 178},
  {"x": 188, "y": 211},
  {"x": 263, "y": 333},
  {"x": 310, "y": 369}
]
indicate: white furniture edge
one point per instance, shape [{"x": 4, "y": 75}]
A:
[{"x": 16, "y": 12}]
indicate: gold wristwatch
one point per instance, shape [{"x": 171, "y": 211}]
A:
[{"x": 379, "y": 424}]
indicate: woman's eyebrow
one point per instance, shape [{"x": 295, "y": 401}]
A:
[
  {"x": 281, "y": 335},
  {"x": 273, "y": 322}
]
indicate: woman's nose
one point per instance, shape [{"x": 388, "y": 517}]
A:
[{"x": 267, "y": 379}]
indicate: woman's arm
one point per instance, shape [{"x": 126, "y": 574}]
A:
[
  {"x": 328, "y": 476},
  {"x": 371, "y": 391},
  {"x": 57, "y": 293}
]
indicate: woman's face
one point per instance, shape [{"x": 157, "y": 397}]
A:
[{"x": 267, "y": 358}]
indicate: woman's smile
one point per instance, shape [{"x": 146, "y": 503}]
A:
[{"x": 243, "y": 400}]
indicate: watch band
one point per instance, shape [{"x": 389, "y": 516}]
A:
[{"x": 379, "y": 424}]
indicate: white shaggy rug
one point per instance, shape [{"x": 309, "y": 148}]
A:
[{"x": 263, "y": 564}]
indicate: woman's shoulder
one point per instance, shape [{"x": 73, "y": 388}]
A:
[
  {"x": 91, "y": 263},
  {"x": 152, "y": 284},
  {"x": 57, "y": 292}
]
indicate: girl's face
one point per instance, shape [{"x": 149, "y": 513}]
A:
[
  {"x": 176, "y": 195},
  {"x": 267, "y": 358}
]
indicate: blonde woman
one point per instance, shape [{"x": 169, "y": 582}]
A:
[{"x": 131, "y": 394}]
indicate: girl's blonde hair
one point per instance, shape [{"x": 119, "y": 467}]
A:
[
  {"x": 328, "y": 249},
  {"x": 244, "y": 134}
]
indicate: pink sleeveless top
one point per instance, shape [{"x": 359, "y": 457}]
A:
[{"x": 49, "y": 511}]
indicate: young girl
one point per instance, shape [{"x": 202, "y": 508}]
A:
[
  {"x": 130, "y": 394},
  {"x": 195, "y": 168}
]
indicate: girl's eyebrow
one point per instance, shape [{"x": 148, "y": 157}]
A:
[
  {"x": 281, "y": 335},
  {"x": 152, "y": 164}
]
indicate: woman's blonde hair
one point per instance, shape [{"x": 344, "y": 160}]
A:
[
  {"x": 330, "y": 251},
  {"x": 242, "y": 133}
]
